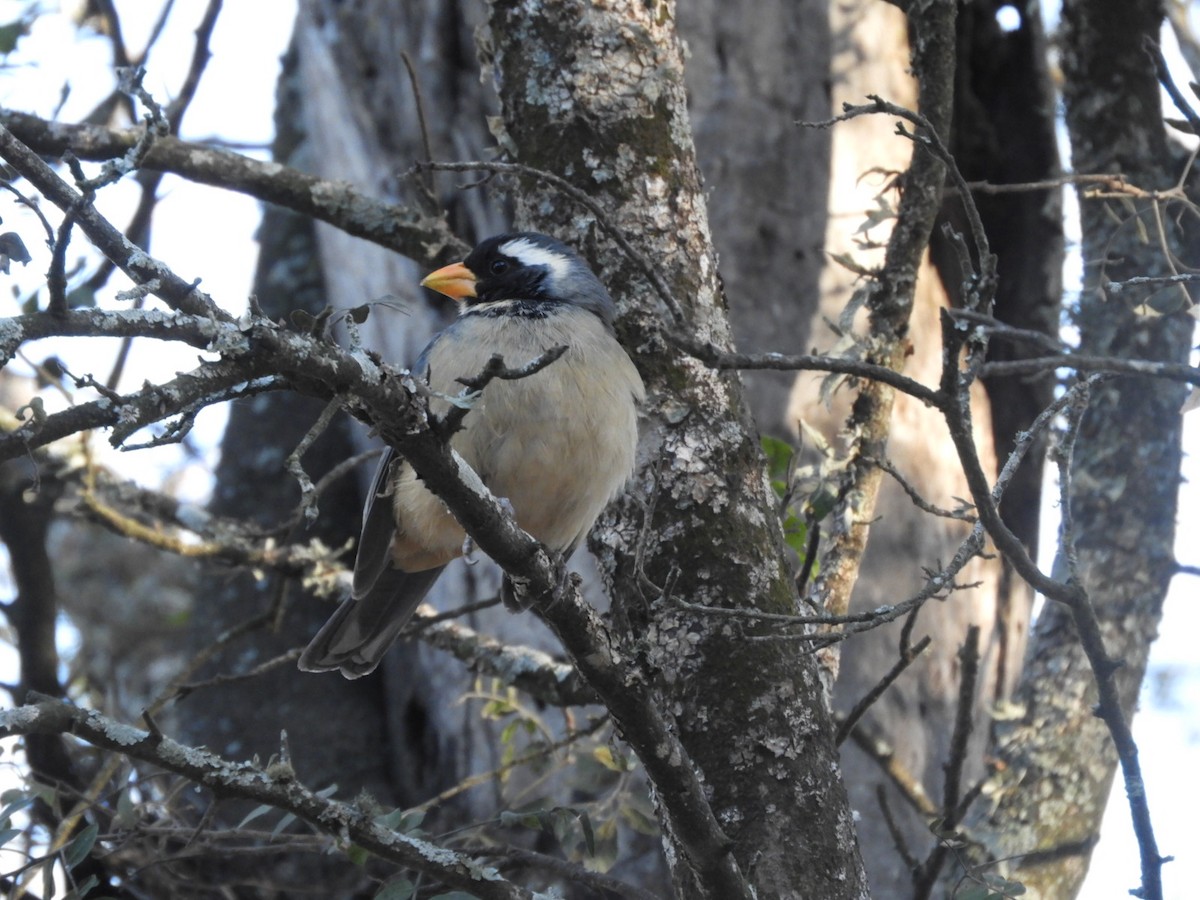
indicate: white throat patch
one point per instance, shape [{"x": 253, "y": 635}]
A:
[{"x": 528, "y": 253}]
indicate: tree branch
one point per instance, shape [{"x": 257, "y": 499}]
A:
[
  {"x": 254, "y": 347},
  {"x": 247, "y": 781},
  {"x": 338, "y": 203},
  {"x": 133, "y": 261}
]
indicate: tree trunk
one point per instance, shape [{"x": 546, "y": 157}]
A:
[
  {"x": 749, "y": 713},
  {"x": 1057, "y": 761}
]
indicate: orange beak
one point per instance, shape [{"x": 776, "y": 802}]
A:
[{"x": 456, "y": 281}]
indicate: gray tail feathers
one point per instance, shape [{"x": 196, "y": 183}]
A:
[{"x": 363, "y": 628}]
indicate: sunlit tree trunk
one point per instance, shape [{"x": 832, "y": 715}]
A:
[{"x": 1058, "y": 758}]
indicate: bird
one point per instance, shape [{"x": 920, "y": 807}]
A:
[{"x": 556, "y": 446}]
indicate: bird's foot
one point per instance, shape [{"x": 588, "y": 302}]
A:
[
  {"x": 517, "y": 597},
  {"x": 465, "y": 399}
]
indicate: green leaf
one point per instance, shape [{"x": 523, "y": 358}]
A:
[
  {"x": 7, "y": 834},
  {"x": 357, "y": 855},
  {"x": 396, "y": 889},
  {"x": 604, "y": 756},
  {"x": 126, "y": 815},
  {"x": 411, "y": 822},
  {"x": 509, "y": 818},
  {"x": 508, "y": 732},
  {"x": 391, "y": 819},
  {"x": 12, "y": 248},
  {"x": 11, "y": 33},
  {"x": 640, "y": 818},
  {"x": 81, "y": 890},
  {"x": 47, "y": 877},
  {"x": 1001, "y": 886},
  {"x": 604, "y": 855},
  {"x": 1164, "y": 302},
  {"x": 80, "y": 846},
  {"x": 305, "y": 321},
  {"x": 821, "y": 503},
  {"x": 779, "y": 457},
  {"x": 795, "y": 533}
]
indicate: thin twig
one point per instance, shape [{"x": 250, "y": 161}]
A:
[
  {"x": 927, "y": 874},
  {"x": 884, "y": 756},
  {"x": 1003, "y": 330},
  {"x": 224, "y": 678},
  {"x": 1172, "y": 89},
  {"x": 1115, "y": 287},
  {"x": 56, "y": 277},
  {"x": 137, "y": 264},
  {"x": 920, "y": 502},
  {"x": 530, "y": 756},
  {"x": 722, "y": 359},
  {"x": 575, "y": 873},
  {"x": 964, "y": 719},
  {"x": 495, "y": 368},
  {"x": 200, "y": 57},
  {"x": 308, "y": 491},
  {"x": 250, "y": 782},
  {"x": 428, "y": 183},
  {"x": 898, "y": 840},
  {"x": 868, "y": 700}
]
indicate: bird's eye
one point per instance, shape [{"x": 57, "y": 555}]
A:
[{"x": 498, "y": 266}]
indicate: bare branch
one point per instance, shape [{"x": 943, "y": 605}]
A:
[
  {"x": 507, "y": 857},
  {"x": 905, "y": 781},
  {"x": 336, "y": 202},
  {"x": 525, "y": 668},
  {"x": 907, "y": 658},
  {"x": 920, "y": 502},
  {"x": 254, "y": 347},
  {"x": 137, "y": 264},
  {"x": 722, "y": 359},
  {"x": 308, "y": 491},
  {"x": 200, "y": 57},
  {"x": 249, "y": 782},
  {"x": 1099, "y": 364},
  {"x": 1164, "y": 78}
]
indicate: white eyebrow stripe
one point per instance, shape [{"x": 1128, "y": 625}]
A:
[{"x": 528, "y": 253}]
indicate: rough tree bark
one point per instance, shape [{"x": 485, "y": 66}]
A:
[{"x": 751, "y": 715}]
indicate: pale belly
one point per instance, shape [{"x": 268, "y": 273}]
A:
[{"x": 558, "y": 446}]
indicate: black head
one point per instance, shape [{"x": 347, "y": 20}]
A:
[{"x": 529, "y": 266}]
